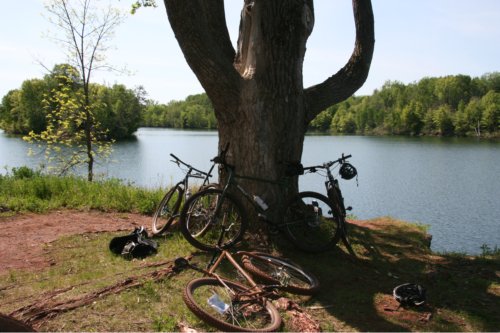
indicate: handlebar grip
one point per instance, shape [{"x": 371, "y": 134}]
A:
[{"x": 178, "y": 159}]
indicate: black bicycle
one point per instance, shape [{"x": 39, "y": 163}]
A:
[
  {"x": 168, "y": 209},
  {"x": 346, "y": 171},
  {"x": 215, "y": 217}
]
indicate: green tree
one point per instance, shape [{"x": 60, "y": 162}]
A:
[
  {"x": 11, "y": 118},
  {"x": 343, "y": 121},
  {"x": 30, "y": 102},
  {"x": 65, "y": 138},
  {"x": 451, "y": 90},
  {"x": 490, "y": 104},
  {"x": 460, "y": 122},
  {"x": 411, "y": 118},
  {"x": 442, "y": 118},
  {"x": 119, "y": 110},
  {"x": 84, "y": 32},
  {"x": 322, "y": 121},
  {"x": 474, "y": 114}
]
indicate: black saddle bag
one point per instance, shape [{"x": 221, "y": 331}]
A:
[{"x": 135, "y": 245}]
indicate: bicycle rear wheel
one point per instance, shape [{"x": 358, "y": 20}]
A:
[
  {"x": 210, "y": 220},
  {"x": 311, "y": 223},
  {"x": 285, "y": 273},
  {"x": 229, "y": 306},
  {"x": 167, "y": 210}
]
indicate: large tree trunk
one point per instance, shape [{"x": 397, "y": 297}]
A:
[{"x": 257, "y": 91}]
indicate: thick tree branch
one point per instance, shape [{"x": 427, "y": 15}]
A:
[
  {"x": 352, "y": 76},
  {"x": 200, "y": 28}
]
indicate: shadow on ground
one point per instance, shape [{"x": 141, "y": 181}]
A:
[{"x": 463, "y": 293}]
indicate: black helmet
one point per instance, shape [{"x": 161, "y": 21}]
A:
[
  {"x": 348, "y": 171},
  {"x": 409, "y": 294}
]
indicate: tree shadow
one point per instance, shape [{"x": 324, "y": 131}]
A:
[{"x": 463, "y": 293}]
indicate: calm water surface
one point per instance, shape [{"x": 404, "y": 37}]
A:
[{"x": 452, "y": 185}]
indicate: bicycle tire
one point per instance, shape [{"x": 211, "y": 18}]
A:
[
  {"x": 311, "y": 223},
  {"x": 201, "y": 226},
  {"x": 337, "y": 201},
  {"x": 283, "y": 272},
  {"x": 256, "y": 317},
  {"x": 167, "y": 210}
]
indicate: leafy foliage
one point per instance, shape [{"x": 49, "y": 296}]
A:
[
  {"x": 25, "y": 110},
  {"x": 194, "y": 112},
  {"x": 451, "y": 105},
  {"x": 72, "y": 135}
]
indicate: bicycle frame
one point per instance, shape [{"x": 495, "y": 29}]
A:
[
  {"x": 168, "y": 208},
  {"x": 335, "y": 196},
  {"x": 191, "y": 173},
  {"x": 232, "y": 181},
  {"x": 216, "y": 260}
]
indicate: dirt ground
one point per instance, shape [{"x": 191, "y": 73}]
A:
[{"x": 22, "y": 237}]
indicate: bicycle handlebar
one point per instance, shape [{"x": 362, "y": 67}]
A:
[
  {"x": 179, "y": 161},
  {"x": 327, "y": 165}
]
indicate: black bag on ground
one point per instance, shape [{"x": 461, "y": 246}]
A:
[{"x": 135, "y": 245}]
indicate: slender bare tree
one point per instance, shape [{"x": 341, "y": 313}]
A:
[{"x": 84, "y": 30}]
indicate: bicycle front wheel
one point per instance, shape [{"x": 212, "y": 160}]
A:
[
  {"x": 279, "y": 271},
  {"x": 311, "y": 223},
  {"x": 167, "y": 210},
  {"x": 229, "y": 306},
  {"x": 210, "y": 220}
]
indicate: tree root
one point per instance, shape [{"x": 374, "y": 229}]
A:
[
  {"x": 299, "y": 320},
  {"x": 46, "y": 307}
]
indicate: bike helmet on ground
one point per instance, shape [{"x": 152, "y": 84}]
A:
[
  {"x": 348, "y": 171},
  {"x": 409, "y": 294}
]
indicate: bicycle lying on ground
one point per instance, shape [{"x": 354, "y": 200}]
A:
[
  {"x": 347, "y": 171},
  {"x": 168, "y": 209},
  {"x": 232, "y": 306},
  {"x": 216, "y": 216}
]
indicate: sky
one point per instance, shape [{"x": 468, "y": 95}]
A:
[{"x": 414, "y": 39}]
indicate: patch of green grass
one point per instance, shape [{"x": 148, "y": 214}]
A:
[{"x": 30, "y": 191}]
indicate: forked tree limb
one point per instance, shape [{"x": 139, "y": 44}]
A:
[{"x": 351, "y": 77}]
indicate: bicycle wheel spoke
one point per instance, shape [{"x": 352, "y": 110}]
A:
[
  {"x": 167, "y": 210},
  {"x": 290, "y": 276},
  {"x": 226, "y": 307},
  {"x": 207, "y": 218},
  {"x": 311, "y": 223}
]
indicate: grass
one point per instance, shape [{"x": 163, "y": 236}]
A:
[
  {"x": 25, "y": 190},
  {"x": 463, "y": 291}
]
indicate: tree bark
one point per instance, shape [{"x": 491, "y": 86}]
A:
[{"x": 257, "y": 90}]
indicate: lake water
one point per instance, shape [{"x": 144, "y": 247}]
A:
[{"x": 450, "y": 184}]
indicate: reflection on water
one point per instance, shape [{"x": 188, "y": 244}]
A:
[{"x": 448, "y": 183}]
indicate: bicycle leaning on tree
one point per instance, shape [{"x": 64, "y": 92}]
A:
[
  {"x": 346, "y": 171},
  {"x": 215, "y": 217},
  {"x": 169, "y": 207}
]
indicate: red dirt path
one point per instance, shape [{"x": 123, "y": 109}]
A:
[{"x": 22, "y": 237}]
